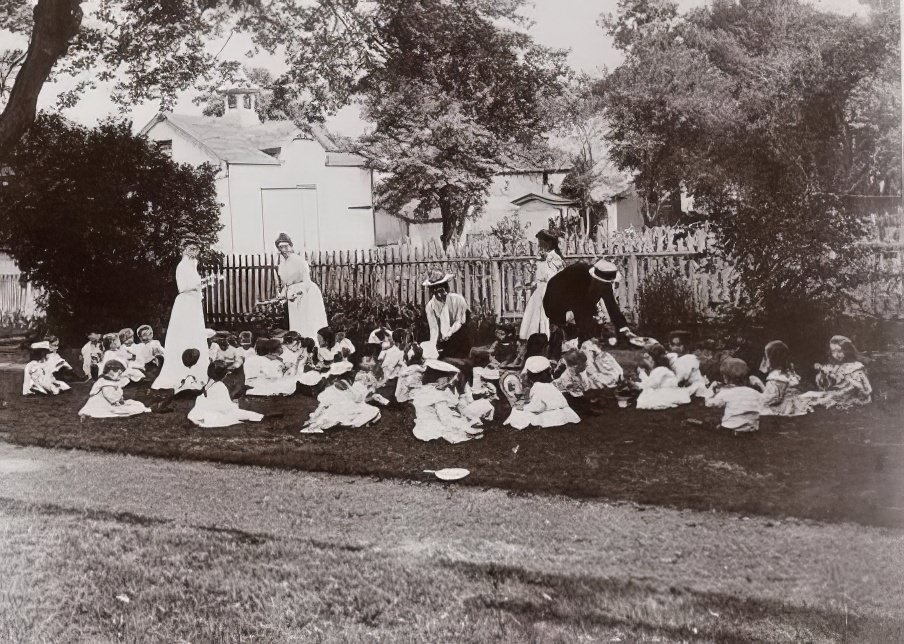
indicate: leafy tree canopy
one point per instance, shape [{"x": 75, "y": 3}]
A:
[
  {"x": 95, "y": 219},
  {"x": 765, "y": 111}
]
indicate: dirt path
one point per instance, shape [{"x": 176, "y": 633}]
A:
[{"x": 837, "y": 567}]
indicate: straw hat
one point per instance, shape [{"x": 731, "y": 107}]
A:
[
  {"x": 605, "y": 271},
  {"x": 437, "y": 277},
  {"x": 536, "y": 364},
  {"x": 439, "y": 365},
  {"x": 41, "y": 345},
  {"x": 341, "y": 367}
]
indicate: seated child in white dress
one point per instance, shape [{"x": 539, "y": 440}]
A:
[
  {"x": 330, "y": 350},
  {"x": 106, "y": 399},
  {"x": 603, "y": 372},
  {"x": 148, "y": 351},
  {"x": 347, "y": 404},
  {"x": 113, "y": 350},
  {"x": 392, "y": 358},
  {"x": 225, "y": 346},
  {"x": 742, "y": 404},
  {"x": 575, "y": 385},
  {"x": 412, "y": 374},
  {"x": 477, "y": 400},
  {"x": 188, "y": 388},
  {"x": 246, "y": 344},
  {"x": 843, "y": 383},
  {"x": 266, "y": 373},
  {"x": 545, "y": 406},
  {"x": 38, "y": 377},
  {"x": 659, "y": 389},
  {"x": 214, "y": 407},
  {"x": 686, "y": 365},
  {"x": 92, "y": 355},
  {"x": 436, "y": 406},
  {"x": 60, "y": 368},
  {"x": 781, "y": 394}
]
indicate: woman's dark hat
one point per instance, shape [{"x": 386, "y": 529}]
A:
[
  {"x": 283, "y": 239},
  {"x": 548, "y": 236}
]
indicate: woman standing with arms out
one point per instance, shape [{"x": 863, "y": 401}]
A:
[
  {"x": 307, "y": 314},
  {"x": 550, "y": 263},
  {"x": 186, "y": 324}
]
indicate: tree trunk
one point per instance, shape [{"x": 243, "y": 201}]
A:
[{"x": 56, "y": 23}]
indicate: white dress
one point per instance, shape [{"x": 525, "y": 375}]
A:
[
  {"x": 546, "y": 407},
  {"x": 307, "y": 313},
  {"x": 343, "y": 405},
  {"x": 185, "y": 330},
  {"x": 38, "y": 379},
  {"x": 106, "y": 401},
  {"x": 214, "y": 408},
  {"x": 123, "y": 355},
  {"x": 410, "y": 379},
  {"x": 437, "y": 415},
  {"x": 603, "y": 371},
  {"x": 660, "y": 390},
  {"x": 535, "y": 320},
  {"x": 687, "y": 370},
  {"x": 267, "y": 377}
]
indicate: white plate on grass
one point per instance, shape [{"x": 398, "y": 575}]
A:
[{"x": 449, "y": 473}]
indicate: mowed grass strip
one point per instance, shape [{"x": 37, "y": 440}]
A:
[
  {"x": 828, "y": 466},
  {"x": 70, "y": 577}
]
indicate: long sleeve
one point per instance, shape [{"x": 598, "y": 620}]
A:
[
  {"x": 860, "y": 382},
  {"x": 187, "y": 277},
  {"x": 716, "y": 401},
  {"x": 774, "y": 392},
  {"x": 433, "y": 319},
  {"x": 456, "y": 312},
  {"x": 536, "y": 404},
  {"x": 612, "y": 308}
]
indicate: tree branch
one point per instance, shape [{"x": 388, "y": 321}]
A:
[{"x": 56, "y": 23}]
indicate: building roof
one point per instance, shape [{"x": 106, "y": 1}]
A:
[
  {"x": 552, "y": 200},
  {"x": 234, "y": 143}
]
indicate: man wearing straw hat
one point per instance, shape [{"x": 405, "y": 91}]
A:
[
  {"x": 573, "y": 294},
  {"x": 447, "y": 315}
]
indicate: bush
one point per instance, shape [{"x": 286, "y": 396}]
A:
[
  {"x": 665, "y": 301},
  {"x": 95, "y": 219}
]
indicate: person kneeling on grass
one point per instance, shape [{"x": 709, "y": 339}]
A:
[
  {"x": 345, "y": 403},
  {"x": 38, "y": 377},
  {"x": 545, "y": 405},
  {"x": 214, "y": 407},
  {"x": 742, "y": 404},
  {"x": 106, "y": 398}
]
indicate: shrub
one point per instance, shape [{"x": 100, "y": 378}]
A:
[
  {"x": 665, "y": 301},
  {"x": 95, "y": 218}
]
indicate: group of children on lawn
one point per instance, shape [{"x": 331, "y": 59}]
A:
[{"x": 451, "y": 401}]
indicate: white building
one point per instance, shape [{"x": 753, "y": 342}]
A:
[{"x": 274, "y": 177}]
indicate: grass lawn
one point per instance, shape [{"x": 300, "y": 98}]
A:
[{"x": 830, "y": 466}]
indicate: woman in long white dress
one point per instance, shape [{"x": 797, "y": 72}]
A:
[
  {"x": 550, "y": 263},
  {"x": 307, "y": 313},
  {"x": 186, "y": 325}
]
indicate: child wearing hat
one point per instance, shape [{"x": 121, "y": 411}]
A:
[
  {"x": 436, "y": 406},
  {"x": 106, "y": 398},
  {"x": 742, "y": 403},
  {"x": 92, "y": 354},
  {"x": 114, "y": 350},
  {"x": 545, "y": 405},
  {"x": 38, "y": 377}
]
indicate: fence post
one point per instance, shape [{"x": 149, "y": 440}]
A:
[
  {"x": 632, "y": 284},
  {"x": 496, "y": 268}
]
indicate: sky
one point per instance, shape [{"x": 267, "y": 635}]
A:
[{"x": 565, "y": 24}]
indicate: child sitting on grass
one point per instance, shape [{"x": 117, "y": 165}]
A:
[
  {"x": 603, "y": 372},
  {"x": 347, "y": 404},
  {"x": 332, "y": 349},
  {"x": 188, "y": 388},
  {"x": 92, "y": 355},
  {"x": 392, "y": 358},
  {"x": 113, "y": 350},
  {"x": 477, "y": 400},
  {"x": 659, "y": 388},
  {"x": 686, "y": 365},
  {"x": 148, "y": 352},
  {"x": 575, "y": 385},
  {"x": 214, "y": 407},
  {"x": 781, "y": 394},
  {"x": 436, "y": 405},
  {"x": 504, "y": 350},
  {"x": 106, "y": 399},
  {"x": 246, "y": 344},
  {"x": 60, "y": 369},
  {"x": 412, "y": 374},
  {"x": 545, "y": 405},
  {"x": 843, "y": 383},
  {"x": 38, "y": 377},
  {"x": 742, "y": 404},
  {"x": 266, "y": 373}
]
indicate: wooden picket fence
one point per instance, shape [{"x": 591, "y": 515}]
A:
[
  {"x": 485, "y": 272},
  {"x": 16, "y": 298}
]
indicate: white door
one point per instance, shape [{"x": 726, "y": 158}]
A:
[{"x": 292, "y": 211}]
